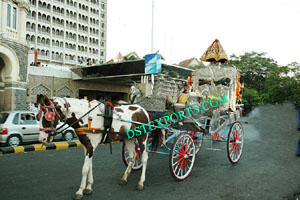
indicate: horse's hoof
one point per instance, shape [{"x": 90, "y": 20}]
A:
[
  {"x": 77, "y": 196},
  {"x": 139, "y": 187},
  {"x": 123, "y": 182},
  {"x": 87, "y": 191}
]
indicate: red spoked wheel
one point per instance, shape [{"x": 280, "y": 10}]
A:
[
  {"x": 182, "y": 157},
  {"x": 235, "y": 142},
  {"x": 198, "y": 138},
  {"x": 125, "y": 155}
]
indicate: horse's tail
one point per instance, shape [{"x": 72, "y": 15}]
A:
[{"x": 154, "y": 134}]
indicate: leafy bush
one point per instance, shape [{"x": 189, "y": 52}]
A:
[{"x": 251, "y": 96}]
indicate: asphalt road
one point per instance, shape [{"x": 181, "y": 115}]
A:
[{"x": 268, "y": 168}]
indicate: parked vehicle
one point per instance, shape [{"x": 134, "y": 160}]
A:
[{"x": 17, "y": 127}]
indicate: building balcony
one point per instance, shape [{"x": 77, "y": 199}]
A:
[
  {"x": 31, "y": 17},
  {"x": 74, "y": 18},
  {"x": 44, "y": 33},
  {"x": 58, "y": 13},
  {"x": 44, "y": 45},
  {"x": 94, "y": 44},
  {"x": 57, "y": 48},
  {"x": 71, "y": 39},
  {"x": 57, "y": 59},
  {"x": 30, "y": 30},
  {"x": 70, "y": 61},
  {"x": 94, "y": 25},
  {"x": 58, "y": 36},
  {"x": 43, "y": 57},
  {"x": 44, "y": 21},
  {"x": 82, "y": 31},
  {"x": 95, "y": 34},
  {"x": 70, "y": 49},
  {"x": 82, "y": 41},
  {"x": 60, "y": 25},
  {"x": 59, "y": 2},
  {"x": 12, "y": 33},
  {"x": 95, "y": 15},
  {"x": 83, "y": 21},
  {"x": 44, "y": 9}
]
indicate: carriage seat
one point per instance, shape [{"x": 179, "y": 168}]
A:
[{"x": 181, "y": 102}]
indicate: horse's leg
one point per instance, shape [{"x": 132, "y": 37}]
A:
[
  {"x": 132, "y": 154},
  {"x": 140, "y": 185},
  {"x": 88, "y": 190},
  {"x": 85, "y": 170},
  {"x": 163, "y": 131}
]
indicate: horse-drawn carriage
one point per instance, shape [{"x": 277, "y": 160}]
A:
[
  {"x": 214, "y": 98},
  {"x": 210, "y": 109}
]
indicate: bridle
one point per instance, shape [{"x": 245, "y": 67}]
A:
[{"x": 50, "y": 115}]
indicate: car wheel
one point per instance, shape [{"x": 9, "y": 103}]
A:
[
  {"x": 68, "y": 136},
  {"x": 14, "y": 140}
]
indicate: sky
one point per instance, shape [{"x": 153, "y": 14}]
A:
[{"x": 185, "y": 29}]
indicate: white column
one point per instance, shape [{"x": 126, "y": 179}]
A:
[
  {"x": 3, "y": 16},
  {"x": 22, "y": 13}
]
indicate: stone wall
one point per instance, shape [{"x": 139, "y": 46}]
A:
[
  {"x": 22, "y": 53},
  {"x": 54, "y": 84}
]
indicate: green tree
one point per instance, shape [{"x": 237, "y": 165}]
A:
[
  {"x": 282, "y": 84},
  {"x": 254, "y": 68},
  {"x": 251, "y": 96}
]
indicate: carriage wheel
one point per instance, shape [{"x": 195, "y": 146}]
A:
[
  {"x": 125, "y": 154},
  {"x": 182, "y": 157},
  {"x": 235, "y": 142}
]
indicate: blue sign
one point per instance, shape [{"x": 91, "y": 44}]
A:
[{"x": 152, "y": 63}]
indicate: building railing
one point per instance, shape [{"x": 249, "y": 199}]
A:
[
  {"x": 30, "y": 30},
  {"x": 44, "y": 33},
  {"x": 57, "y": 58},
  {"x": 60, "y": 36},
  {"x": 43, "y": 57},
  {"x": 44, "y": 9},
  {"x": 82, "y": 42},
  {"x": 70, "y": 61},
  {"x": 72, "y": 39},
  {"x": 57, "y": 24},
  {"x": 12, "y": 33}
]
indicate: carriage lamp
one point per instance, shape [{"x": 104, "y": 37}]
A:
[
  {"x": 54, "y": 92},
  {"x": 27, "y": 92}
]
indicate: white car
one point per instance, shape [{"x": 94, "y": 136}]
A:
[{"x": 17, "y": 127}]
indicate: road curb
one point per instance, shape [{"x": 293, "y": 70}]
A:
[{"x": 38, "y": 147}]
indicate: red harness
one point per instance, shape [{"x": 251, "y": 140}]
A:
[{"x": 49, "y": 116}]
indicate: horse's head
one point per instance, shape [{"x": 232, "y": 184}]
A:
[{"x": 49, "y": 115}]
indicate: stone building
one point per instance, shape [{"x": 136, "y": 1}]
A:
[
  {"x": 67, "y": 32},
  {"x": 13, "y": 54}
]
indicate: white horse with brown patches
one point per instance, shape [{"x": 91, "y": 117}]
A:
[{"x": 70, "y": 110}]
